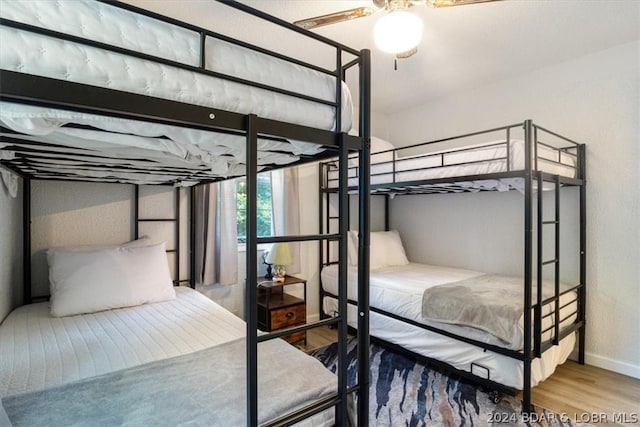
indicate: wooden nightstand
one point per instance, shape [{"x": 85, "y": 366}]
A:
[{"x": 278, "y": 310}]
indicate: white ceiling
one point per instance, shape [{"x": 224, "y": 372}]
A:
[{"x": 463, "y": 47}]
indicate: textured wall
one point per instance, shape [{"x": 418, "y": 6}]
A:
[
  {"x": 10, "y": 251},
  {"x": 593, "y": 99},
  {"x": 75, "y": 213}
]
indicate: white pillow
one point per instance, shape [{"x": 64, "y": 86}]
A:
[
  {"x": 94, "y": 280},
  {"x": 386, "y": 249}
]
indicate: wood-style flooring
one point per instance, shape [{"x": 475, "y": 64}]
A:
[{"x": 584, "y": 393}]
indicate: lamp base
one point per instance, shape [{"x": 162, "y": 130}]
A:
[{"x": 278, "y": 273}]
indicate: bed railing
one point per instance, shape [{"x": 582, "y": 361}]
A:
[{"x": 388, "y": 166}]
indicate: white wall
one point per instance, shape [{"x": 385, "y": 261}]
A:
[
  {"x": 10, "y": 251},
  {"x": 76, "y": 213},
  {"x": 594, "y": 99}
]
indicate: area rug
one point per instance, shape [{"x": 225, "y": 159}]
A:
[{"x": 404, "y": 392}]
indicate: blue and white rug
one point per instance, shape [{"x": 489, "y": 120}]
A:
[{"x": 404, "y": 392}]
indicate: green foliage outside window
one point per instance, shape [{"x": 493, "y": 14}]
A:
[{"x": 264, "y": 206}]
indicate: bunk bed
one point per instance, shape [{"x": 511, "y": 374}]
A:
[
  {"x": 506, "y": 333},
  {"x": 102, "y": 91}
]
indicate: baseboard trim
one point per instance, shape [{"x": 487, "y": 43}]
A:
[
  {"x": 609, "y": 364},
  {"x": 313, "y": 318}
]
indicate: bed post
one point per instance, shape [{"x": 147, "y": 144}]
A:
[
  {"x": 320, "y": 242},
  {"x": 583, "y": 252},
  {"x": 387, "y": 199},
  {"x": 363, "y": 240},
  {"x": 528, "y": 257},
  {"x": 26, "y": 240},
  {"x": 343, "y": 225},
  {"x": 251, "y": 310},
  {"x": 192, "y": 238}
]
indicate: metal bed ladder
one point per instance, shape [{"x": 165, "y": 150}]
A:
[
  {"x": 176, "y": 225},
  {"x": 555, "y": 261}
]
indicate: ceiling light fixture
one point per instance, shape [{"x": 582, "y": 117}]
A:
[{"x": 397, "y": 32}]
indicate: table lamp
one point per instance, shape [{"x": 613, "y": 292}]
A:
[{"x": 279, "y": 256}]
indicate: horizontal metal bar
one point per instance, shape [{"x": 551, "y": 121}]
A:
[
  {"x": 500, "y": 350},
  {"x": 566, "y": 291},
  {"x": 305, "y": 238},
  {"x": 550, "y": 222},
  {"x": 54, "y": 93},
  {"x": 551, "y": 261},
  {"x": 289, "y": 26},
  {"x": 554, "y": 148},
  {"x": 573, "y": 313},
  {"x": 563, "y": 333},
  {"x": 547, "y": 329},
  {"x": 405, "y": 184},
  {"x": 555, "y": 162},
  {"x": 157, "y": 219},
  {"x": 466, "y": 135},
  {"x": 304, "y": 412},
  {"x": 300, "y": 328},
  {"x": 556, "y": 135}
]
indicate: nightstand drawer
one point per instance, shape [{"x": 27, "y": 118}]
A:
[{"x": 288, "y": 316}]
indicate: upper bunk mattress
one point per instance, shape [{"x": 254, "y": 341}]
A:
[
  {"x": 31, "y": 53},
  {"x": 478, "y": 159},
  {"x": 400, "y": 289}
]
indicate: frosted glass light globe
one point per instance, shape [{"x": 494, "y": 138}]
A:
[{"x": 397, "y": 32}]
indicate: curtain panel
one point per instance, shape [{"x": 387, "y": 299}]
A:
[{"x": 216, "y": 234}]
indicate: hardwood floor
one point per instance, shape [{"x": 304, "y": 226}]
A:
[{"x": 584, "y": 393}]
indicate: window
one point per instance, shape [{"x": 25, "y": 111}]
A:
[{"x": 265, "y": 225}]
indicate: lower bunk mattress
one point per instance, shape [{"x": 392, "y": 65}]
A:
[
  {"x": 399, "y": 290},
  {"x": 175, "y": 362}
]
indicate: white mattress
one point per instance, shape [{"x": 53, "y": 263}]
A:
[
  {"x": 462, "y": 356},
  {"x": 38, "y": 351},
  {"x": 488, "y": 158},
  {"x": 35, "y": 54},
  {"x": 399, "y": 290}
]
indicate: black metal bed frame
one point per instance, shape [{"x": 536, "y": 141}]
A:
[
  {"x": 534, "y": 346},
  {"x": 53, "y": 93}
]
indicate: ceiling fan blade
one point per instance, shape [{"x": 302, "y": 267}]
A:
[
  {"x": 407, "y": 54},
  {"x": 447, "y": 3},
  {"x": 333, "y": 18}
]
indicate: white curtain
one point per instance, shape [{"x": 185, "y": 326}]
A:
[
  {"x": 216, "y": 234},
  {"x": 286, "y": 209}
]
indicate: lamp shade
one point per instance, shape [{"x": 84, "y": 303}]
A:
[
  {"x": 280, "y": 254},
  {"x": 398, "y": 31}
]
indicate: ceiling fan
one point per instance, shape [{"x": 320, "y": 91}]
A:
[{"x": 399, "y": 32}]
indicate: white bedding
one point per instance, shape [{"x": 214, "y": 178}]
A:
[
  {"x": 38, "y": 351},
  {"x": 487, "y": 158},
  {"x": 462, "y": 356},
  {"x": 222, "y": 155},
  {"x": 399, "y": 289}
]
